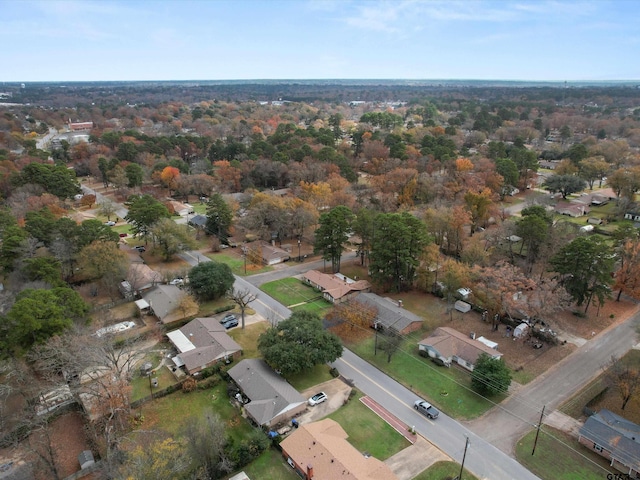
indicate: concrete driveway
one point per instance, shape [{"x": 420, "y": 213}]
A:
[
  {"x": 337, "y": 392},
  {"x": 413, "y": 460}
]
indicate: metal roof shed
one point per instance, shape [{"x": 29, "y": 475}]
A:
[{"x": 85, "y": 458}]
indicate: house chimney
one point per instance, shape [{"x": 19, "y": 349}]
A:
[{"x": 309, "y": 472}]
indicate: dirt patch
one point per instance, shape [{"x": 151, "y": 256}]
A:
[
  {"x": 517, "y": 353},
  {"x": 596, "y": 320},
  {"x": 66, "y": 435}
]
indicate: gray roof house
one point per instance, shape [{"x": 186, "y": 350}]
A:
[
  {"x": 271, "y": 399},
  {"x": 615, "y": 438},
  {"x": 202, "y": 342},
  {"x": 198, "y": 221},
  {"x": 390, "y": 314},
  {"x": 163, "y": 301}
]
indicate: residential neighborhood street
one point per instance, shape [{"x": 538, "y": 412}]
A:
[
  {"x": 505, "y": 424},
  {"x": 483, "y": 459},
  {"x": 493, "y": 436}
]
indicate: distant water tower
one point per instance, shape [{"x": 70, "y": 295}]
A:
[{"x": 22, "y": 85}]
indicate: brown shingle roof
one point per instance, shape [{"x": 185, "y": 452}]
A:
[
  {"x": 333, "y": 285},
  {"x": 323, "y": 445}
]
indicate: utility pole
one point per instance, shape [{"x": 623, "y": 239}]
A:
[
  {"x": 464, "y": 455},
  {"x": 538, "y": 430}
]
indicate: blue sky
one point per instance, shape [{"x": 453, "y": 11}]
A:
[{"x": 87, "y": 40}]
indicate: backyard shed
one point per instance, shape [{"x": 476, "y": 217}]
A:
[
  {"x": 520, "y": 330},
  {"x": 85, "y": 458},
  {"x": 463, "y": 307}
]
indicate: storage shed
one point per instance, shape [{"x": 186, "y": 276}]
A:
[
  {"x": 85, "y": 458},
  {"x": 520, "y": 330},
  {"x": 461, "y": 306}
]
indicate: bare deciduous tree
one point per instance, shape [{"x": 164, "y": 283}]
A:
[
  {"x": 242, "y": 297},
  {"x": 205, "y": 440},
  {"x": 623, "y": 378}
]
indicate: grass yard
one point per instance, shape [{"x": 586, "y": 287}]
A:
[
  {"x": 447, "y": 388},
  {"x": 444, "y": 470},
  {"x": 236, "y": 263},
  {"x": 140, "y": 385},
  {"x": 429, "y": 307},
  {"x": 291, "y": 291},
  {"x": 574, "y": 407},
  {"x": 169, "y": 413},
  {"x": 366, "y": 429},
  {"x": 248, "y": 338},
  {"x": 560, "y": 457},
  {"x": 309, "y": 378},
  {"x": 212, "y": 306},
  {"x": 270, "y": 464}
]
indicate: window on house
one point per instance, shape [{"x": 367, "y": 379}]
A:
[{"x": 597, "y": 448}]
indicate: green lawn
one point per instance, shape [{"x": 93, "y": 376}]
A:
[
  {"x": 366, "y": 429},
  {"x": 447, "y": 388},
  {"x": 270, "y": 465},
  {"x": 309, "y": 378},
  {"x": 444, "y": 470},
  {"x": 291, "y": 291},
  {"x": 169, "y": 413},
  {"x": 248, "y": 338},
  {"x": 236, "y": 263},
  {"x": 554, "y": 460},
  {"x": 140, "y": 384}
]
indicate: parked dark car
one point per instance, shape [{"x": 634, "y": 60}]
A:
[
  {"x": 230, "y": 323},
  {"x": 228, "y": 317}
]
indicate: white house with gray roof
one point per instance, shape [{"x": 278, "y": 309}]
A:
[
  {"x": 203, "y": 342},
  {"x": 271, "y": 399}
]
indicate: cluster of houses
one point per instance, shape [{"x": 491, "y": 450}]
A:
[
  {"x": 581, "y": 206},
  {"x": 321, "y": 449}
]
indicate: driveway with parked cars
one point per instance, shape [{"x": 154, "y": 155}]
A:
[{"x": 337, "y": 393}]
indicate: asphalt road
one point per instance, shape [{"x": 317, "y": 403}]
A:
[{"x": 483, "y": 459}]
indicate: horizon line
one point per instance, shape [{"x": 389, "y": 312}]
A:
[{"x": 328, "y": 80}]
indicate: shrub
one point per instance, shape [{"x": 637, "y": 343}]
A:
[
  {"x": 189, "y": 385},
  {"x": 334, "y": 373}
]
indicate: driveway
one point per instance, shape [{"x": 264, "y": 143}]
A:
[
  {"x": 337, "y": 392},
  {"x": 413, "y": 460}
]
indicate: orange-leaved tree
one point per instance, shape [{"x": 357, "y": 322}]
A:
[{"x": 169, "y": 176}]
